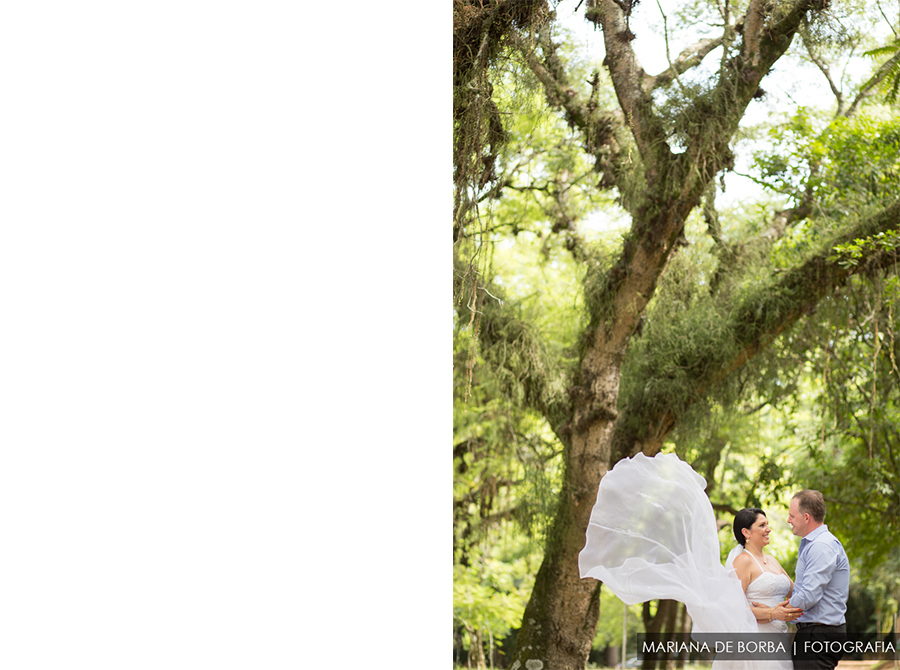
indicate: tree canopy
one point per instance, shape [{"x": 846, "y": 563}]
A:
[{"x": 612, "y": 296}]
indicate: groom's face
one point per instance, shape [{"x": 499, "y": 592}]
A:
[{"x": 797, "y": 521}]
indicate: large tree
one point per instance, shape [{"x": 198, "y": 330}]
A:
[{"x": 657, "y": 143}]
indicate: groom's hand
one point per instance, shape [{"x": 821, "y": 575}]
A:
[{"x": 793, "y": 613}]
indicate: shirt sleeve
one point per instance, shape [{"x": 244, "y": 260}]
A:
[{"x": 821, "y": 561}]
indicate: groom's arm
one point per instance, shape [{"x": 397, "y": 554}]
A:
[{"x": 821, "y": 561}]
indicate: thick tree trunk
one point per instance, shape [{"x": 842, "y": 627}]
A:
[{"x": 561, "y": 615}]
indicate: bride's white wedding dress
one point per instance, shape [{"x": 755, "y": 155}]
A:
[{"x": 769, "y": 589}]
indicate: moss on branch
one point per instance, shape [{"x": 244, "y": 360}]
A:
[{"x": 680, "y": 362}]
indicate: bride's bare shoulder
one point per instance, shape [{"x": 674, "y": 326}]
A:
[
  {"x": 745, "y": 569},
  {"x": 742, "y": 559},
  {"x": 743, "y": 562}
]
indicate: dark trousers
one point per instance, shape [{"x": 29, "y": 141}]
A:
[{"x": 818, "y": 647}]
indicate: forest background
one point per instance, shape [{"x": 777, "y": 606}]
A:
[{"x": 694, "y": 256}]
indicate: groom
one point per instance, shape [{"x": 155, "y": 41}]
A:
[{"x": 821, "y": 587}]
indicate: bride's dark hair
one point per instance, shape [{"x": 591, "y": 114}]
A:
[{"x": 744, "y": 519}]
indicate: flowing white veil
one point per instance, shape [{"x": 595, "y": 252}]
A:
[
  {"x": 736, "y": 551},
  {"x": 652, "y": 534}
]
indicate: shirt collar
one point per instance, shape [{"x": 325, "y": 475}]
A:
[{"x": 813, "y": 534}]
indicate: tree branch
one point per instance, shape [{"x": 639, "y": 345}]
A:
[
  {"x": 785, "y": 218},
  {"x": 689, "y": 58},
  {"x": 823, "y": 68},
  {"x": 628, "y": 76},
  {"x": 651, "y": 413},
  {"x": 674, "y": 186},
  {"x": 753, "y": 26},
  {"x": 598, "y": 128},
  {"x": 721, "y": 507},
  {"x": 886, "y": 19},
  {"x": 856, "y": 504},
  {"x": 739, "y": 82}
]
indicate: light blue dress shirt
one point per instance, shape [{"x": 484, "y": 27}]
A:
[{"x": 823, "y": 579}]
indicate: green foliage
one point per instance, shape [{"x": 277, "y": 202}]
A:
[
  {"x": 849, "y": 255},
  {"x": 783, "y": 166},
  {"x": 851, "y": 165},
  {"x": 535, "y": 314},
  {"x": 702, "y": 317},
  {"x": 832, "y": 428},
  {"x": 549, "y": 181},
  {"x": 758, "y": 435},
  {"x": 847, "y": 27},
  {"x": 506, "y": 475},
  {"x": 827, "y": 421},
  {"x": 862, "y": 163},
  {"x": 515, "y": 259},
  {"x": 890, "y": 85},
  {"x": 609, "y": 625},
  {"x": 678, "y": 108},
  {"x": 480, "y": 38},
  {"x": 491, "y": 595},
  {"x": 852, "y": 449},
  {"x": 883, "y": 588},
  {"x": 746, "y": 454},
  {"x": 676, "y": 322},
  {"x": 506, "y": 462}
]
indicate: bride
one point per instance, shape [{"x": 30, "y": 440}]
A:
[{"x": 765, "y": 583}]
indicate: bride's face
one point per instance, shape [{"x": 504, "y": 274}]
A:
[{"x": 759, "y": 532}]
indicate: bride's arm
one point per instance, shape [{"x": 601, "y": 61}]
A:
[
  {"x": 743, "y": 567},
  {"x": 781, "y": 612},
  {"x": 761, "y": 612}
]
